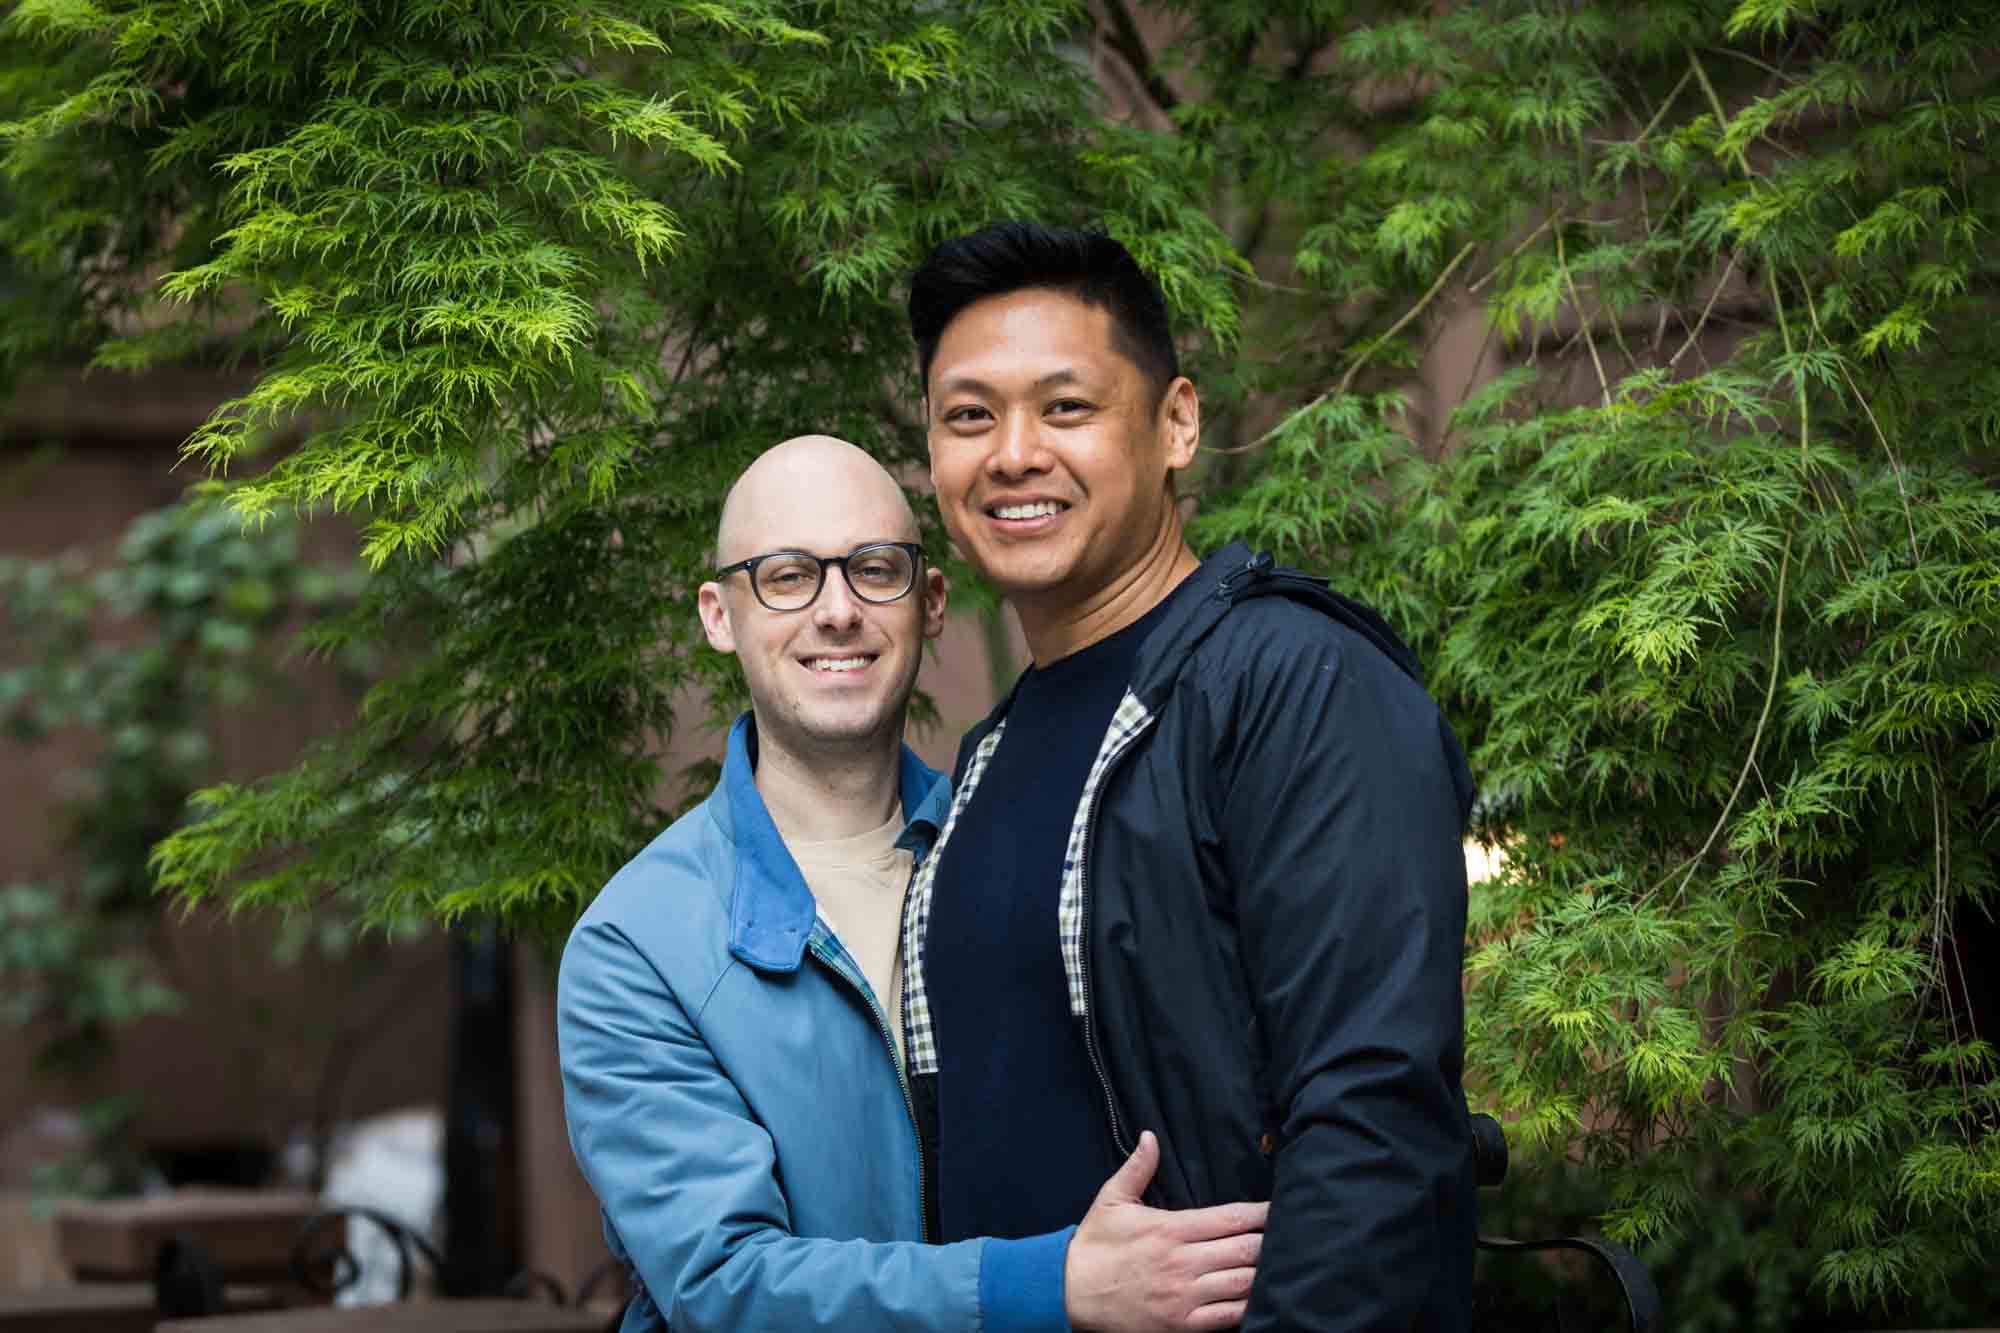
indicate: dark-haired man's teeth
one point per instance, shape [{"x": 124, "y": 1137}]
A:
[{"x": 1040, "y": 509}]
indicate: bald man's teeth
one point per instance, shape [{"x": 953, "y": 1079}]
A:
[
  {"x": 837, "y": 663},
  {"x": 1040, "y": 509}
]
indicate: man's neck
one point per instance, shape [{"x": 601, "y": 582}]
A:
[
  {"x": 817, "y": 797},
  {"x": 1054, "y": 630}
]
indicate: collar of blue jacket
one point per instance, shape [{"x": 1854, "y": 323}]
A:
[{"x": 771, "y": 911}]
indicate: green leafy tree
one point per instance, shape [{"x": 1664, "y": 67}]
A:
[
  {"x": 536, "y": 280},
  {"x": 1706, "y": 579}
]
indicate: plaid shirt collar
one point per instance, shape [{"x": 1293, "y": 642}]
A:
[{"x": 919, "y": 1035}]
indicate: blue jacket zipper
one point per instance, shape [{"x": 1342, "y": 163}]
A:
[{"x": 834, "y": 964}]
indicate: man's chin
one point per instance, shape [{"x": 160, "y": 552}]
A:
[
  {"x": 1017, "y": 580},
  {"x": 841, "y": 729},
  {"x": 1021, "y": 567},
  {"x": 1034, "y": 595}
]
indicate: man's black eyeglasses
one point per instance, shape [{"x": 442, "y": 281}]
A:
[{"x": 790, "y": 580}]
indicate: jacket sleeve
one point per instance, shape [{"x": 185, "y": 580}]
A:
[
  {"x": 688, "y": 1183},
  {"x": 1342, "y": 820}
]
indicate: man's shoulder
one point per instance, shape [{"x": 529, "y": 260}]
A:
[
  {"x": 1272, "y": 635},
  {"x": 1243, "y": 611},
  {"x": 1319, "y": 677},
  {"x": 671, "y": 901},
  {"x": 1302, "y": 663}
]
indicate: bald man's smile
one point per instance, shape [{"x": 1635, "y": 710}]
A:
[{"x": 837, "y": 666}]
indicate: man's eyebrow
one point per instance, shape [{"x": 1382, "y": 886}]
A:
[
  {"x": 815, "y": 555},
  {"x": 964, "y": 384},
  {"x": 972, "y": 384}
]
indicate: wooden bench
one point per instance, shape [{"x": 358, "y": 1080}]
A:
[
  {"x": 107, "y": 1307},
  {"x": 247, "y": 1234},
  {"x": 404, "y": 1317},
  {"x": 103, "y": 1307}
]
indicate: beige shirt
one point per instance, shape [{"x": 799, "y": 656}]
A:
[{"x": 859, "y": 884}]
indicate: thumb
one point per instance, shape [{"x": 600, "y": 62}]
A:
[{"x": 1128, "y": 1183}]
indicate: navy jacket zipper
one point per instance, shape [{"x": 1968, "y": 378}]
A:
[{"x": 1119, "y": 1138}]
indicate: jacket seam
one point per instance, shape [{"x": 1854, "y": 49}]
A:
[{"x": 714, "y": 986}]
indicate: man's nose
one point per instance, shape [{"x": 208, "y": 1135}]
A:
[
  {"x": 1018, "y": 450},
  {"x": 836, "y": 607}
]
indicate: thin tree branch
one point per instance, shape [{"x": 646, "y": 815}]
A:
[
  {"x": 1576, "y": 300},
  {"x": 1514, "y": 254},
  {"x": 1270, "y": 286},
  {"x": 1124, "y": 38},
  {"x": 1749, "y": 59},
  {"x": 1895, "y": 463},
  {"x": 1362, "y": 360},
  {"x": 347, "y": 1045},
  {"x": 1714, "y": 99},
  {"x": 1713, "y": 296},
  {"x": 1660, "y": 114},
  {"x": 1805, "y": 434},
  {"x": 1798, "y": 381},
  {"x": 1756, "y": 738},
  {"x": 1465, "y": 390},
  {"x": 1617, "y": 327},
  {"x": 1644, "y": 133},
  {"x": 1302, "y": 61}
]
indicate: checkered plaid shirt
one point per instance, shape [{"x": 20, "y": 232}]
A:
[{"x": 919, "y": 1036}]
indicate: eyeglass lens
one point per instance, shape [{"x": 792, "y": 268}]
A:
[{"x": 875, "y": 573}]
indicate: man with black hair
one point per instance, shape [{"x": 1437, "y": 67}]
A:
[{"x": 1202, "y": 871}]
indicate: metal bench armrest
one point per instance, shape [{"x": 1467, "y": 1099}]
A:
[{"x": 1635, "y": 1284}]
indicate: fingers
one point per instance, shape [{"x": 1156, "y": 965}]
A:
[
  {"x": 1214, "y": 1223},
  {"x": 1224, "y": 1285},
  {"x": 1224, "y": 1314},
  {"x": 1211, "y": 1257},
  {"x": 1128, "y": 1183}
]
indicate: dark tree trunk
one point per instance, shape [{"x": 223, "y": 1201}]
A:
[{"x": 481, "y": 1224}]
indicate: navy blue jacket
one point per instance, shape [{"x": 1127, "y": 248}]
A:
[{"x": 1264, "y": 916}]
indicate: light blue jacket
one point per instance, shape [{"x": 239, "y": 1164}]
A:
[{"x": 734, "y": 1099}]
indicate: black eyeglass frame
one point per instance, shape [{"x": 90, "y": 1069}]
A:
[{"x": 914, "y": 550}]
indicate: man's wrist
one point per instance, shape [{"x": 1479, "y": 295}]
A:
[{"x": 1021, "y": 1287}]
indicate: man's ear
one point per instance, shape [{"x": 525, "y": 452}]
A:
[
  {"x": 936, "y": 591},
  {"x": 715, "y": 618},
  {"x": 1180, "y": 423}
]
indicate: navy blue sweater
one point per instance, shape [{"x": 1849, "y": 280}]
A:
[{"x": 1023, "y": 1138}]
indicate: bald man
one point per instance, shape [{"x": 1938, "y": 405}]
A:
[{"x": 732, "y": 1077}]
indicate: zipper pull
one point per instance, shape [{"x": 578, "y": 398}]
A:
[{"x": 1253, "y": 567}]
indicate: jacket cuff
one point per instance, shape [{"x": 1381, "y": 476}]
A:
[{"x": 1021, "y": 1284}]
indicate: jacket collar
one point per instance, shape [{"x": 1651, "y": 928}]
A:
[
  {"x": 1200, "y": 600},
  {"x": 1234, "y": 575},
  {"x": 771, "y": 911},
  {"x": 1226, "y": 578}
]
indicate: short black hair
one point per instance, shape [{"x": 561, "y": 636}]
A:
[{"x": 1008, "y": 257}]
